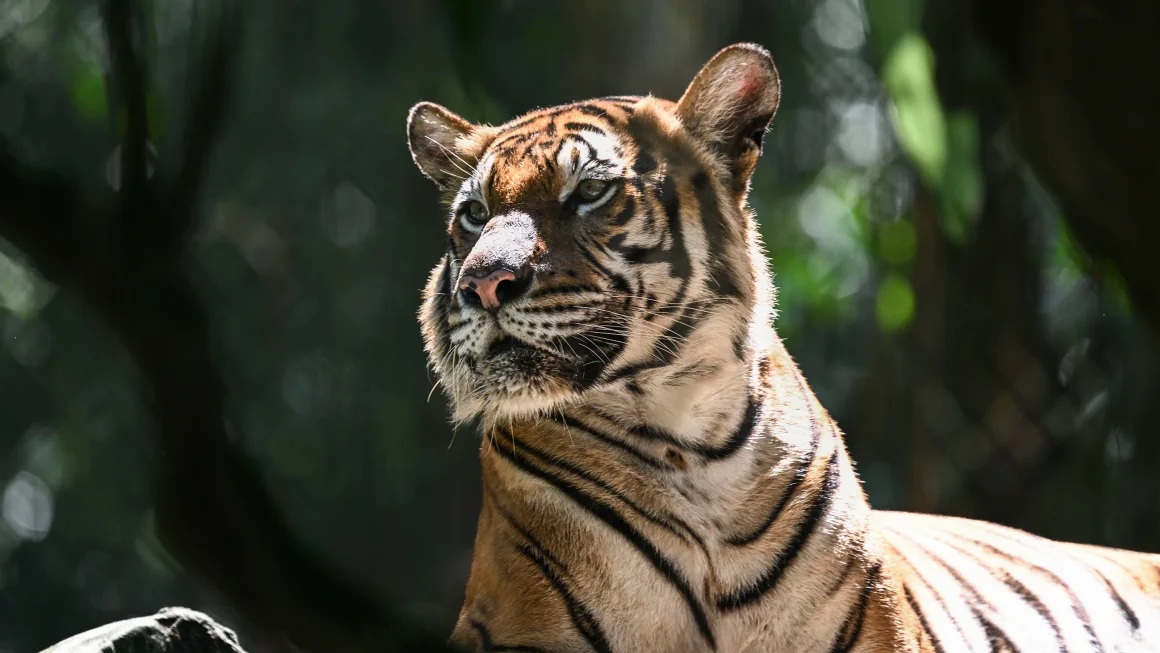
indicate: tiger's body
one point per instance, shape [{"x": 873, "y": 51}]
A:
[{"x": 657, "y": 474}]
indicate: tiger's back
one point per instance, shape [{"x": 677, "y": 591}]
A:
[
  {"x": 978, "y": 586},
  {"x": 657, "y": 474}
]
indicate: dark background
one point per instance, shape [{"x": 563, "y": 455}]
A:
[{"x": 956, "y": 198}]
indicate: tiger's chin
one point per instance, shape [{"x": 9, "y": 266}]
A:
[{"x": 515, "y": 381}]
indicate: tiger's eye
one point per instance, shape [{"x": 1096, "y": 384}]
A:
[
  {"x": 591, "y": 189},
  {"x": 476, "y": 212}
]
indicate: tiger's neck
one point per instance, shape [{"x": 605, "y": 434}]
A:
[{"x": 732, "y": 495}]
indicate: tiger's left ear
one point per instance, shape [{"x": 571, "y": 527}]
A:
[
  {"x": 729, "y": 105},
  {"x": 444, "y": 146}
]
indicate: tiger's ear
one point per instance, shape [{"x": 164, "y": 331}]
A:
[
  {"x": 730, "y": 103},
  {"x": 443, "y": 145}
]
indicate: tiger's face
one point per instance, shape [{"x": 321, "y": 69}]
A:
[{"x": 584, "y": 241}]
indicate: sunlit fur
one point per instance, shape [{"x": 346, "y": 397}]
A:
[{"x": 657, "y": 474}]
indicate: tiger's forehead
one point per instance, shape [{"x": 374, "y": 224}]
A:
[{"x": 547, "y": 152}]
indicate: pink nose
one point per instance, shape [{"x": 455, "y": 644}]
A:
[{"x": 486, "y": 289}]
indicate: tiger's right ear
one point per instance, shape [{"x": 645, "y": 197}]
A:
[
  {"x": 730, "y": 104},
  {"x": 444, "y": 146}
]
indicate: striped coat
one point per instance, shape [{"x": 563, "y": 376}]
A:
[{"x": 657, "y": 474}]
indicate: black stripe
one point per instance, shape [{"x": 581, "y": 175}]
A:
[
  {"x": 567, "y": 323},
  {"x": 563, "y": 290},
  {"x": 995, "y": 636},
  {"x": 445, "y": 277},
  {"x": 568, "y": 421},
  {"x": 506, "y": 144},
  {"x": 632, "y": 254},
  {"x": 588, "y": 256},
  {"x": 1077, "y": 606},
  {"x": 609, "y": 344},
  {"x": 664, "y": 350},
  {"x": 635, "y": 254},
  {"x": 741, "y": 434},
  {"x": 667, "y": 346},
  {"x": 847, "y": 568},
  {"x": 680, "y": 264},
  {"x": 619, "y": 283},
  {"x": 626, "y": 213},
  {"x": 584, "y": 127},
  {"x": 488, "y": 645},
  {"x": 443, "y": 316},
  {"x": 803, "y": 468},
  {"x": 1129, "y": 614},
  {"x": 770, "y": 578},
  {"x": 616, "y": 522},
  {"x": 938, "y": 597},
  {"x": 669, "y": 522},
  {"x": 564, "y": 322},
  {"x": 692, "y": 372},
  {"x": 589, "y": 110},
  {"x": 633, "y": 370},
  {"x": 554, "y": 112},
  {"x": 554, "y": 571},
  {"x": 644, "y": 163},
  {"x": 740, "y": 337},
  {"x": 1022, "y": 591},
  {"x": 852, "y": 627},
  {"x": 582, "y": 617},
  {"x": 722, "y": 278},
  {"x": 994, "y": 633},
  {"x": 922, "y": 622},
  {"x": 556, "y": 308},
  {"x": 573, "y": 139}
]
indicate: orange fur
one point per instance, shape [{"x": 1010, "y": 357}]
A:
[{"x": 657, "y": 474}]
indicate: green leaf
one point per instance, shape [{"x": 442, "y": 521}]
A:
[
  {"x": 962, "y": 196},
  {"x": 944, "y": 149},
  {"x": 896, "y": 242},
  {"x": 894, "y": 305},
  {"x": 1116, "y": 287},
  {"x": 88, "y": 95},
  {"x": 908, "y": 75}
]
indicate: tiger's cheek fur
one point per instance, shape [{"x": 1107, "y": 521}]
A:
[{"x": 452, "y": 372}]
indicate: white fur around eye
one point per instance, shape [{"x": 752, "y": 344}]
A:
[
  {"x": 468, "y": 225},
  {"x": 463, "y": 214},
  {"x": 587, "y": 207}
]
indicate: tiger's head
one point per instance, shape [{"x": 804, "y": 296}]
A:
[{"x": 597, "y": 243}]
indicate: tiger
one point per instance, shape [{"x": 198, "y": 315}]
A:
[{"x": 657, "y": 474}]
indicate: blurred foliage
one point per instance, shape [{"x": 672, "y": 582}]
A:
[{"x": 318, "y": 234}]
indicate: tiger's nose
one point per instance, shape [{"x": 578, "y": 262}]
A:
[{"x": 493, "y": 290}]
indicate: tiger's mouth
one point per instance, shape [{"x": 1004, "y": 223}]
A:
[
  {"x": 515, "y": 366},
  {"x": 508, "y": 345},
  {"x": 511, "y": 362},
  {"x": 514, "y": 377}
]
